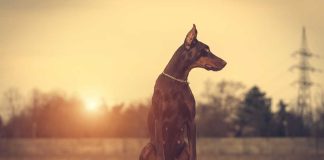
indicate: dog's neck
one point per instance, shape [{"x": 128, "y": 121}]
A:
[{"x": 178, "y": 67}]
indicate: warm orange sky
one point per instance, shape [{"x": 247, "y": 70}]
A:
[{"x": 116, "y": 48}]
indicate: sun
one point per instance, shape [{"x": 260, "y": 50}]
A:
[{"x": 92, "y": 104}]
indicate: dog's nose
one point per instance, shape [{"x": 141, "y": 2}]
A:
[{"x": 224, "y": 63}]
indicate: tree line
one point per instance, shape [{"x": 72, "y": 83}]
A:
[
  {"x": 226, "y": 109},
  {"x": 230, "y": 110}
]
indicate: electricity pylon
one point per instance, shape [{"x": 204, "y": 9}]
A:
[{"x": 304, "y": 82}]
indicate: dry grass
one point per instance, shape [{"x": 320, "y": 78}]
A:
[{"x": 128, "y": 149}]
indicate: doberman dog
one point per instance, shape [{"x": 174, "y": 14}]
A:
[{"x": 171, "y": 118}]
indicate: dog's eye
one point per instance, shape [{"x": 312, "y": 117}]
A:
[{"x": 207, "y": 50}]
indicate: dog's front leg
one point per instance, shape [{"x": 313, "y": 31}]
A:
[
  {"x": 158, "y": 106},
  {"x": 159, "y": 140},
  {"x": 191, "y": 133}
]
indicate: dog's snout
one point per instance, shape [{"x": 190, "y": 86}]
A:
[
  {"x": 224, "y": 63},
  {"x": 221, "y": 64}
]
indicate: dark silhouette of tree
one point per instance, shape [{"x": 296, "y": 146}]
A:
[
  {"x": 319, "y": 122},
  {"x": 211, "y": 122},
  {"x": 280, "y": 120},
  {"x": 13, "y": 101},
  {"x": 288, "y": 123},
  {"x": 296, "y": 126},
  {"x": 215, "y": 116},
  {"x": 13, "y": 98},
  {"x": 53, "y": 114},
  {"x": 320, "y": 125},
  {"x": 1, "y": 127},
  {"x": 128, "y": 121},
  {"x": 254, "y": 115},
  {"x": 225, "y": 111}
]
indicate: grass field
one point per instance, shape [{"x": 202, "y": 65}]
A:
[{"x": 128, "y": 149}]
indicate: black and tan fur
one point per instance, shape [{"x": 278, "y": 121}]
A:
[{"x": 171, "y": 118}]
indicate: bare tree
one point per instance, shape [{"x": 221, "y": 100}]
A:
[
  {"x": 13, "y": 99},
  {"x": 13, "y": 103}
]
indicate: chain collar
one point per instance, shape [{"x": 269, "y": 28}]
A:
[{"x": 176, "y": 79}]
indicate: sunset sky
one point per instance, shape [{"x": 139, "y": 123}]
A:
[{"x": 115, "y": 49}]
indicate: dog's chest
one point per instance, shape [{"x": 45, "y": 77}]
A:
[
  {"x": 180, "y": 103},
  {"x": 189, "y": 102},
  {"x": 174, "y": 99}
]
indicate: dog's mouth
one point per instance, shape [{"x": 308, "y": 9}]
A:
[
  {"x": 209, "y": 67},
  {"x": 215, "y": 67}
]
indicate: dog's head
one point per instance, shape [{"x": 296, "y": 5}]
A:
[{"x": 199, "y": 55}]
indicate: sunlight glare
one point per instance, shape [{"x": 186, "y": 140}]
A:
[{"x": 92, "y": 104}]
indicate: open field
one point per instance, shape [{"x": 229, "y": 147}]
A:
[{"x": 128, "y": 149}]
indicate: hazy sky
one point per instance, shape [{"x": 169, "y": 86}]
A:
[{"x": 116, "y": 48}]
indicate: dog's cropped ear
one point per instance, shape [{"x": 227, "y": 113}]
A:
[{"x": 191, "y": 37}]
